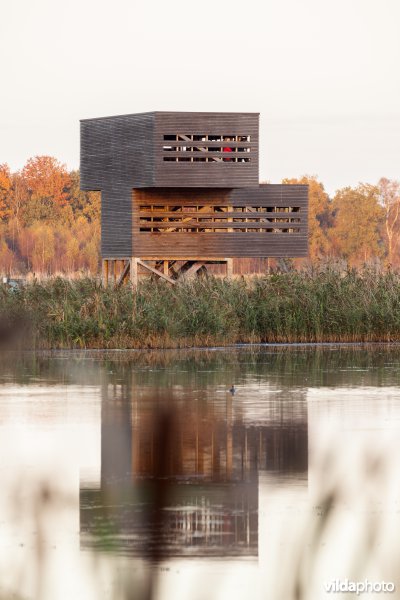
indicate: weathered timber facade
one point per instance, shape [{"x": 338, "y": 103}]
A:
[
  {"x": 185, "y": 186},
  {"x": 247, "y": 222}
]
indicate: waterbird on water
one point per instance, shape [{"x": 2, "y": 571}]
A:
[{"x": 233, "y": 390}]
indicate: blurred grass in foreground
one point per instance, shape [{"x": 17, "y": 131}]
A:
[{"x": 315, "y": 306}]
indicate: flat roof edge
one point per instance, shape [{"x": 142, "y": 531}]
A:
[{"x": 170, "y": 112}]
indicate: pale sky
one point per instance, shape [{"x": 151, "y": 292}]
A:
[{"x": 324, "y": 75}]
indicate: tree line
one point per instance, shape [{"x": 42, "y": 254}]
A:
[
  {"x": 48, "y": 225},
  {"x": 359, "y": 224}
]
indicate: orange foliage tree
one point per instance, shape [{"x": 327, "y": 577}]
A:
[
  {"x": 48, "y": 224},
  {"x": 5, "y": 191},
  {"x": 47, "y": 182},
  {"x": 319, "y": 215},
  {"x": 357, "y": 225}
]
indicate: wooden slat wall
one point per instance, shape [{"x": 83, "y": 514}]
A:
[
  {"x": 117, "y": 151},
  {"x": 129, "y": 149},
  {"x": 224, "y": 245},
  {"x": 116, "y": 155},
  {"x": 200, "y": 174},
  {"x": 242, "y": 266}
]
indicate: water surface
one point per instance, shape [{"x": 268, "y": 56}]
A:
[{"x": 149, "y": 461}]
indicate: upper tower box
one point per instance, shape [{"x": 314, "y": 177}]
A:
[{"x": 170, "y": 149}]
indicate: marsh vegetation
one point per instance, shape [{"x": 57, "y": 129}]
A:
[{"x": 326, "y": 305}]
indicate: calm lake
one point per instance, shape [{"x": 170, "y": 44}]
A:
[{"x": 253, "y": 472}]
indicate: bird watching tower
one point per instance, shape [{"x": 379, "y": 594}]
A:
[{"x": 181, "y": 191}]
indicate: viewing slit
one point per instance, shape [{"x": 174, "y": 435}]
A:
[
  {"x": 219, "y": 219},
  {"x": 216, "y": 148}
]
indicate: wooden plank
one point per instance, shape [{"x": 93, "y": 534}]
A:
[
  {"x": 124, "y": 273},
  {"x": 207, "y": 144},
  {"x": 199, "y": 153},
  {"x": 155, "y": 271},
  {"x": 105, "y": 272},
  {"x": 166, "y": 267},
  {"x": 134, "y": 270},
  {"x": 203, "y": 209},
  {"x": 229, "y": 267},
  {"x": 219, "y": 214},
  {"x": 267, "y": 195},
  {"x": 223, "y": 244},
  {"x": 193, "y": 269},
  {"x": 217, "y": 260},
  {"x": 169, "y": 227}
]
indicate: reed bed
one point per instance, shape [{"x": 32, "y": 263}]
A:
[{"x": 314, "y": 306}]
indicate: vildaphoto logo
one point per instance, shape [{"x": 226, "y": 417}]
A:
[{"x": 358, "y": 587}]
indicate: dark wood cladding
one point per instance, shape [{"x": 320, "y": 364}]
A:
[
  {"x": 116, "y": 223},
  {"x": 172, "y": 159},
  {"x": 117, "y": 152},
  {"x": 116, "y": 155},
  {"x": 226, "y": 244},
  {"x": 127, "y": 151}
]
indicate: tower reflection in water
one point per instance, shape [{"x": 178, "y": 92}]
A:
[{"x": 179, "y": 468}]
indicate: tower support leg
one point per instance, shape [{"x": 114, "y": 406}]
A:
[
  {"x": 105, "y": 272},
  {"x": 134, "y": 270},
  {"x": 229, "y": 268}
]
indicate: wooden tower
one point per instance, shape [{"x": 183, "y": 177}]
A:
[{"x": 181, "y": 191}]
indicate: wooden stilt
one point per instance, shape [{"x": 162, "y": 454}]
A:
[
  {"x": 193, "y": 269},
  {"x": 114, "y": 271},
  {"x": 134, "y": 270},
  {"x": 118, "y": 270},
  {"x": 166, "y": 267},
  {"x": 229, "y": 268},
  {"x": 105, "y": 272}
]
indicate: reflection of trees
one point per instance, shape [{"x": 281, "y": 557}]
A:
[{"x": 289, "y": 366}]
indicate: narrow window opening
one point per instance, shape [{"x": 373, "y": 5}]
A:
[{"x": 217, "y": 218}]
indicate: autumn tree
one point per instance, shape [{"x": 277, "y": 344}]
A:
[
  {"x": 5, "y": 191},
  {"x": 319, "y": 215},
  {"x": 84, "y": 203},
  {"x": 47, "y": 182},
  {"x": 389, "y": 196},
  {"x": 47, "y": 223},
  {"x": 25, "y": 244},
  {"x": 8, "y": 259},
  {"x": 17, "y": 200},
  {"x": 42, "y": 254},
  {"x": 358, "y": 218}
]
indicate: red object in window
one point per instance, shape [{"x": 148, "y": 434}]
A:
[{"x": 227, "y": 149}]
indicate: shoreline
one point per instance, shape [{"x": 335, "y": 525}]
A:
[{"x": 50, "y": 352}]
